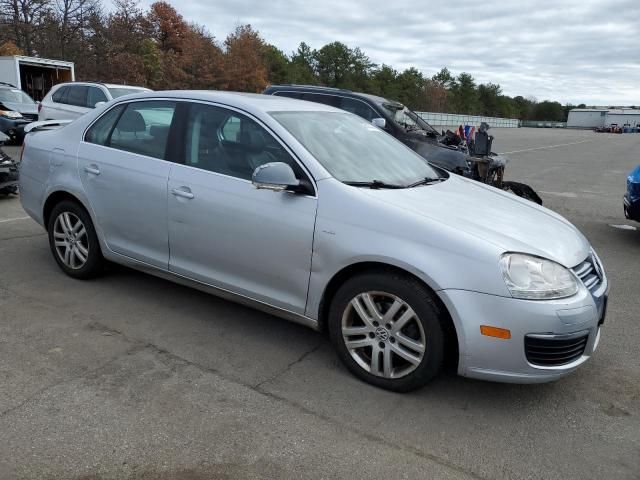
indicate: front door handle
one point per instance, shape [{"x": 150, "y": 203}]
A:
[
  {"x": 92, "y": 169},
  {"x": 184, "y": 192}
]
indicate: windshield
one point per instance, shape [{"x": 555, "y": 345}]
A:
[
  {"x": 354, "y": 150},
  {"x": 406, "y": 118},
  {"x": 14, "y": 95},
  {"x": 119, "y": 92}
]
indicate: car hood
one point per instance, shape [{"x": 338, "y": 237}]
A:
[
  {"x": 22, "y": 107},
  {"x": 487, "y": 213}
]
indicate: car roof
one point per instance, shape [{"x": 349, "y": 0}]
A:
[
  {"x": 329, "y": 90},
  {"x": 108, "y": 85},
  {"x": 248, "y": 101}
]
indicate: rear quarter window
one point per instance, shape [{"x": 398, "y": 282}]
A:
[{"x": 59, "y": 95}]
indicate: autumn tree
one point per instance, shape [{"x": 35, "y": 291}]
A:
[{"x": 244, "y": 66}]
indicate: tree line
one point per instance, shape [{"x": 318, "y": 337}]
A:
[{"x": 159, "y": 49}]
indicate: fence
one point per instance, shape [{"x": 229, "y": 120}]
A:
[
  {"x": 453, "y": 120},
  {"x": 543, "y": 124}
]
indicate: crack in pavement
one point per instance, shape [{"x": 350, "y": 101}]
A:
[
  {"x": 21, "y": 237},
  {"x": 258, "y": 389},
  {"x": 288, "y": 367}
]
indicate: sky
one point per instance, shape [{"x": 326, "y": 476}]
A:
[{"x": 564, "y": 50}]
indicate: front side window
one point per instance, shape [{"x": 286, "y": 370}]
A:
[
  {"x": 322, "y": 98},
  {"x": 353, "y": 150},
  {"x": 144, "y": 127},
  {"x": 77, "y": 96},
  {"x": 227, "y": 142},
  {"x": 94, "y": 96}
]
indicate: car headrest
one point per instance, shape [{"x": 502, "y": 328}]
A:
[
  {"x": 253, "y": 141},
  {"x": 132, "y": 121},
  {"x": 159, "y": 131}
]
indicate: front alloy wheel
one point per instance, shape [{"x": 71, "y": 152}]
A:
[
  {"x": 388, "y": 329},
  {"x": 383, "y": 334}
]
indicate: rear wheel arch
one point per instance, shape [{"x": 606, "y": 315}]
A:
[
  {"x": 451, "y": 334},
  {"x": 54, "y": 199}
]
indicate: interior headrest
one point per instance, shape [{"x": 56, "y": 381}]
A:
[
  {"x": 253, "y": 141},
  {"x": 132, "y": 121}
]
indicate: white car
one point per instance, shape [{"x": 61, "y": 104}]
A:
[{"x": 68, "y": 101}]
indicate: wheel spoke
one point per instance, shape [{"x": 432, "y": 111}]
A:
[
  {"x": 353, "y": 331},
  {"x": 83, "y": 250},
  {"x": 414, "y": 345},
  {"x": 353, "y": 344},
  {"x": 371, "y": 306},
  {"x": 66, "y": 221},
  {"x": 393, "y": 309},
  {"x": 67, "y": 256},
  {"x": 77, "y": 254},
  {"x": 402, "y": 353},
  {"x": 58, "y": 235},
  {"x": 60, "y": 243},
  {"x": 387, "y": 363},
  {"x": 404, "y": 318},
  {"x": 361, "y": 312},
  {"x": 81, "y": 232},
  {"x": 375, "y": 360},
  {"x": 77, "y": 227}
]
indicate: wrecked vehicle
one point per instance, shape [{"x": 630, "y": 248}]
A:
[
  {"x": 443, "y": 149},
  {"x": 632, "y": 197},
  {"x": 17, "y": 109},
  {"x": 8, "y": 171}
]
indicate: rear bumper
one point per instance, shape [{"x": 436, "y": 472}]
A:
[
  {"x": 631, "y": 208},
  {"x": 495, "y": 359}
]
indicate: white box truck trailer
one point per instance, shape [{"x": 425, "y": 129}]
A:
[{"x": 33, "y": 75}]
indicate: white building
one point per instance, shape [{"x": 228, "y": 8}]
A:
[{"x": 603, "y": 117}]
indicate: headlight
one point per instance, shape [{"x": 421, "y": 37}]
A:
[
  {"x": 536, "y": 278},
  {"x": 10, "y": 114}
]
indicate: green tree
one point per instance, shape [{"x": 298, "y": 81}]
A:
[
  {"x": 302, "y": 66},
  {"x": 464, "y": 94}
]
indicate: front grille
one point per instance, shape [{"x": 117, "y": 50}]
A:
[
  {"x": 32, "y": 117},
  {"x": 552, "y": 351},
  {"x": 590, "y": 272}
]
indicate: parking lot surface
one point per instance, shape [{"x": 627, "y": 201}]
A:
[{"x": 129, "y": 376}]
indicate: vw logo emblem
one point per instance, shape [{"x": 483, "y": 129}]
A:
[{"x": 382, "y": 334}]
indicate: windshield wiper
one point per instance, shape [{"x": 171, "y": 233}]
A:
[
  {"x": 426, "y": 181},
  {"x": 375, "y": 184}
]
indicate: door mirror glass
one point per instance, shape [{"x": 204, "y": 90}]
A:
[
  {"x": 276, "y": 176},
  {"x": 379, "y": 122}
]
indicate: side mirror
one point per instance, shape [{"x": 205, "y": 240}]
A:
[
  {"x": 276, "y": 176},
  {"x": 379, "y": 122},
  {"x": 98, "y": 104}
]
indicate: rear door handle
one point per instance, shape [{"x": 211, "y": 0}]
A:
[
  {"x": 93, "y": 169},
  {"x": 184, "y": 192}
]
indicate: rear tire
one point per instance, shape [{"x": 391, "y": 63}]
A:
[
  {"x": 386, "y": 329},
  {"x": 73, "y": 241}
]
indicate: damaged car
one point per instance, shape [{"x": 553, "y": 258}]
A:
[
  {"x": 17, "y": 109},
  {"x": 444, "y": 149},
  {"x": 8, "y": 171},
  {"x": 631, "y": 199}
]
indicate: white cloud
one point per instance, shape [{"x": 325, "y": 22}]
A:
[{"x": 566, "y": 50}]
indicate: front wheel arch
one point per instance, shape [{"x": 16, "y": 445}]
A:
[{"x": 451, "y": 334}]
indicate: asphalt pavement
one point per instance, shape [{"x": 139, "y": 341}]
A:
[{"x": 130, "y": 376}]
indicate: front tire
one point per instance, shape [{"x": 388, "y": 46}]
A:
[
  {"x": 73, "y": 241},
  {"x": 386, "y": 329}
]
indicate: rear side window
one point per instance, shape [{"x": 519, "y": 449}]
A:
[
  {"x": 143, "y": 128},
  {"x": 100, "y": 131},
  {"x": 297, "y": 95},
  {"x": 77, "y": 96},
  {"x": 357, "y": 107},
  {"x": 60, "y": 95},
  {"x": 95, "y": 95},
  {"x": 330, "y": 100}
]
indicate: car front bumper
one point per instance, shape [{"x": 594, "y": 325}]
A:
[
  {"x": 631, "y": 208},
  {"x": 490, "y": 358},
  {"x": 13, "y": 128}
]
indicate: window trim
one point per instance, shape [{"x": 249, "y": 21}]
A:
[
  {"x": 182, "y": 139},
  {"x": 126, "y": 103},
  {"x": 275, "y": 94}
]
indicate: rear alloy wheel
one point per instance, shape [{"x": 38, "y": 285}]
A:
[
  {"x": 387, "y": 331},
  {"x": 73, "y": 241}
]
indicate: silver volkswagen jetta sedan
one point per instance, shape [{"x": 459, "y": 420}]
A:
[{"x": 315, "y": 215}]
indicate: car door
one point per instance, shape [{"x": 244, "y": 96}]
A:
[
  {"x": 225, "y": 232},
  {"x": 124, "y": 171}
]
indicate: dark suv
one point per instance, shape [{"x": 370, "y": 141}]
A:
[{"x": 389, "y": 115}]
